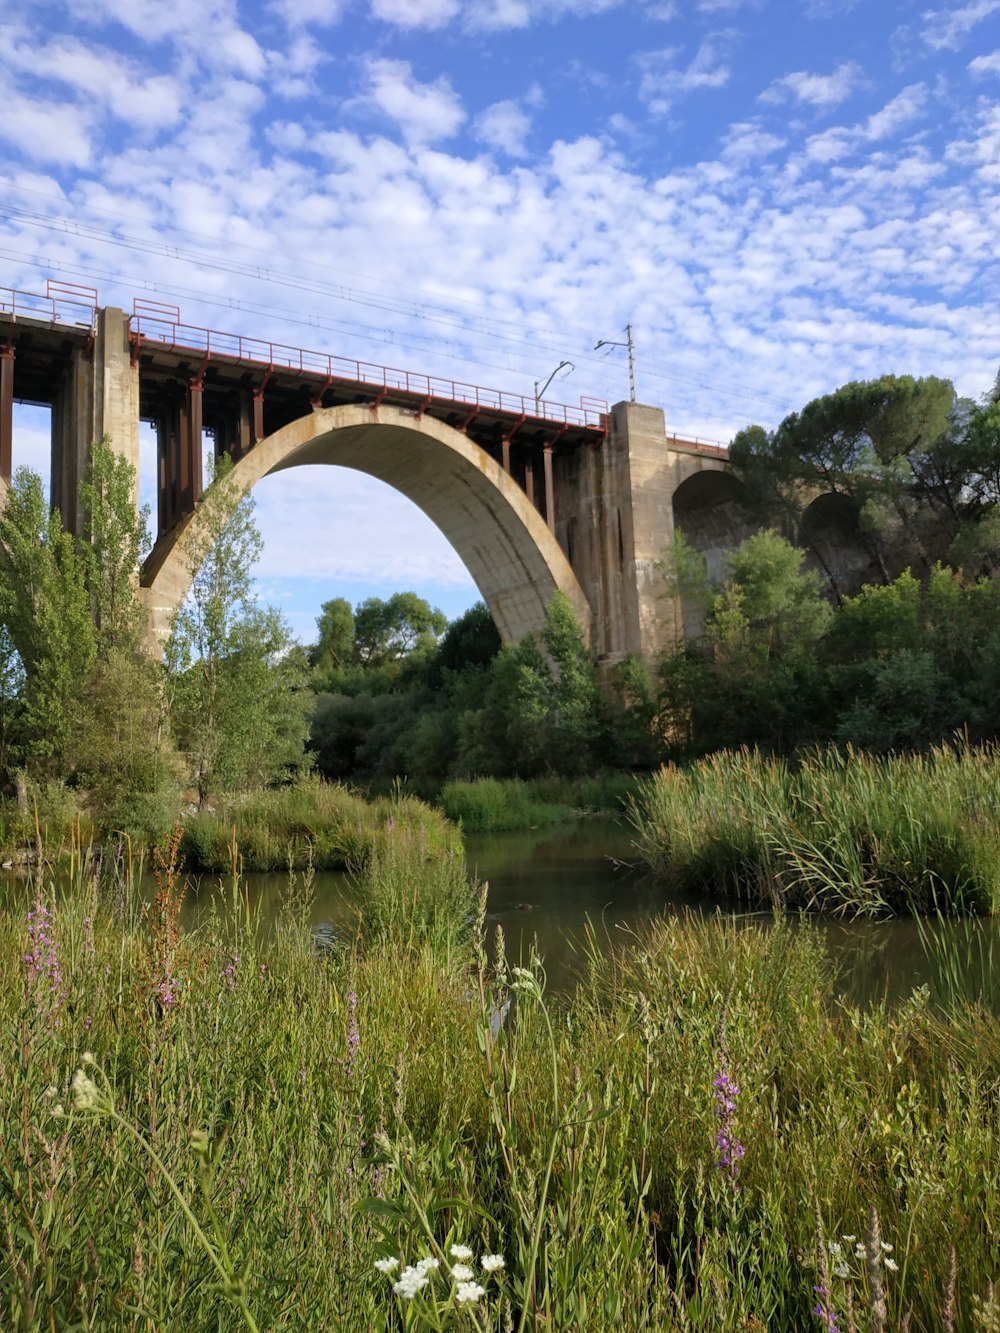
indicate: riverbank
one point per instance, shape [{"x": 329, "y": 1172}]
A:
[{"x": 266, "y": 1124}]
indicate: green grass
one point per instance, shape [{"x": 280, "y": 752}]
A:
[
  {"x": 847, "y": 833},
  {"x": 495, "y": 805},
  {"x": 265, "y": 1123},
  {"x": 310, "y": 823}
]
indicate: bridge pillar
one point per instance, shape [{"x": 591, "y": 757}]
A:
[
  {"x": 99, "y": 396},
  {"x": 614, "y": 520},
  {"x": 6, "y": 410}
]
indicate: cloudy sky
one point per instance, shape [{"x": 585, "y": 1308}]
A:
[{"x": 778, "y": 195}]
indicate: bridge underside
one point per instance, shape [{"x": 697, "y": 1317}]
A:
[{"x": 499, "y": 535}]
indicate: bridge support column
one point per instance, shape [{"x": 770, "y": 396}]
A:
[
  {"x": 99, "y": 396},
  {"x": 6, "y": 411},
  {"x": 550, "y": 495},
  {"x": 615, "y": 521}
]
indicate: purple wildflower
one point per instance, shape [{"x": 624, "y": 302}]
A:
[
  {"x": 731, "y": 1150},
  {"x": 230, "y": 970},
  {"x": 353, "y": 1031},
  {"x": 823, "y": 1311},
  {"x": 44, "y": 972}
]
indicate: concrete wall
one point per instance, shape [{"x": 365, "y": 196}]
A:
[
  {"x": 615, "y": 521},
  {"x": 99, "y": 396}
]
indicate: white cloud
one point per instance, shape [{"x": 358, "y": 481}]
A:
[
  {"x": 306, "y": 13},
  {"x": 505, "y": 126},
  {"x": 663, "y": 79},
  {"x": 46, "y": 131},
  {"x": 424, "y": 112},
  {"x": 985, "y": 64},
  {"x": 107, "y": 80},
  {"x": 416, "y": 13},
  {"x": 816, "y": 89},
  {"x": 900, "y": 111},
  {"x": 947, "y": 28},
  {"x": 746, "y": 142},
  {"x": 208, "y": 32}
]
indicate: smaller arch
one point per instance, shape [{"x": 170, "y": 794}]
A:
[
  {"x": 831, "y": 536},
  {"x": 504, "y": 542}
]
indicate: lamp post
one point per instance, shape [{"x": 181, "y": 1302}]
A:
[
  {"x": 605, "y": 342},
  {"x": 539, "y": 391}
]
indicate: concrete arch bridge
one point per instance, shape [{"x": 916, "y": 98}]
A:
[{"x": 533, "y": 496}]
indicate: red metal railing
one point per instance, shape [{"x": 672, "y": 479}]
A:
[
  {"x": 162, "y": 324},
  {"x": 73, "y": 305},
  {"x": 64, "y": 303},
  {"x": 698, "y": 446}
]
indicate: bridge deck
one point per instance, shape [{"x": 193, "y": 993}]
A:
[{"x": 46, "y": 331}]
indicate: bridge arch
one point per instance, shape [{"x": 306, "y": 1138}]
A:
[{"x": 503, "y": 541}]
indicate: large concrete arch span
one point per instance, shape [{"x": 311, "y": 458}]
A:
[{"x": 503, "y": 541}]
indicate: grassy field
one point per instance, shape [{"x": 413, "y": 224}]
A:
[{"x": 209, "y": 1131}]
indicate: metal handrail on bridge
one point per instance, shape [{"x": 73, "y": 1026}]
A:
[
  {"x": 64, "y": 303},
  {"x": 162, "y": 324}
]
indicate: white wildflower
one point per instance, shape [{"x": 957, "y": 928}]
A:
[
  {"x": 50, "y": 1092},
  {"x": 87, "y": 1057},
  {"x": 850, "y": 1239},
  {"x": 834, "y": 1247},
  {"x": 469, "y": 1291},
  {"x": 85, "y": 1093},
  {"x": 57, "y": 1111},
  {"x": 425, "y": 1265},
  {"x": 460, "y": 1252},
  {"x": 887, "y": 1247},
  {"x": 491, "y": 1262},
  {"x": 387, "y": 1265},
  {"x": 462, "y": 1273},
  {"x": 411, "y": 1280},
  {"x": 891, "y": 1265},
  {"x": 842, "y": 1270}
]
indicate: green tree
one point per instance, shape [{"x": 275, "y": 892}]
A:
[
  {"x": 387, "y": 631},
  {"x": 115, "y": 536},
  {"x": 335, "y": 646},
  {"x": 754, "y": 677},
  {"x": 238, "y": 696},
  {"x": 120, "y": 743},
  {"x": 46, "y": 608},
  {"x": 887, "y": 446}
]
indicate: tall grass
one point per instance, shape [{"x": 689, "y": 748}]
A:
[
  {"x": 314, "y": 823},
  {"x": 252, "y": 1128},
  {"x": 841, "y": 832},
  {"x": 495, "y": 805}
]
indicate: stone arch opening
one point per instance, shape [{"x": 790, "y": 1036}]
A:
[
  {"x": 708, "y": 509},
  {"x": 506, "y": 545},
  {"x": 831, "y": 536}
]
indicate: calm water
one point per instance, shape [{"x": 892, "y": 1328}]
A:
[{"x": 547, "y": 886}]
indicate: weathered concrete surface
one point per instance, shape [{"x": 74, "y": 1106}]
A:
[
  {"x": 615, "y": 519},
  {"x": 500, "y": 537},
  {"x": 99, "y": 396}
]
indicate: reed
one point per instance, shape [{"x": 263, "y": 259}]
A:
[
  {"x": 308, "y": 823},
  {"x": 841, "y": 832}
]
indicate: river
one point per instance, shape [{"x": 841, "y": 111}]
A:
[{"x": 548, "y": 887}]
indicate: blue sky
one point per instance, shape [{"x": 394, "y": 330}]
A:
[{"x": 779, "y": 197}]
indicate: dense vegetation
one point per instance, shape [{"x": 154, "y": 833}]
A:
[
  {"x": 83, "y": 708},
  {"x": 200, "y": 1132},
  {"x": 840, "y": 832}
]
